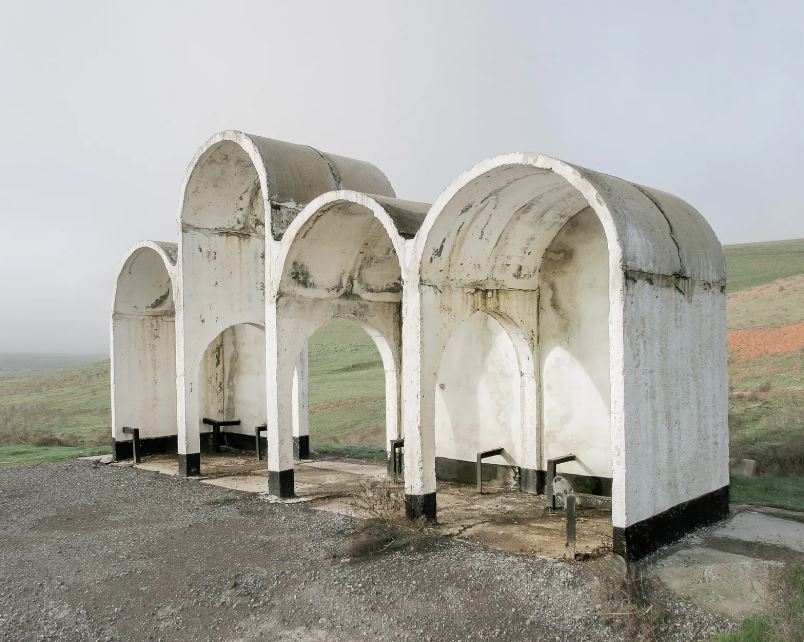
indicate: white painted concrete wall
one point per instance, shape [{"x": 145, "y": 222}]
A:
[
  {"x": 676, "y": 393},
  {"x": 574, "y": 348},
  {"x": 222, "y": 269},
  {"x": 144, "y": 373},
  {"x": 143, "y": 344},
  {"x": 477, "y": 404}
]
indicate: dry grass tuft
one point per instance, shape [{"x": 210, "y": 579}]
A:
[
  {"x": 386, "y": 528},
  {"x": 626, "y": 600}
]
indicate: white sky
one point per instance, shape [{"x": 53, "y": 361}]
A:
[{"x": 103, "y": 104}]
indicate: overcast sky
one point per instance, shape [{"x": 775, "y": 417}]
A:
[{"x": 103, "y": 104}]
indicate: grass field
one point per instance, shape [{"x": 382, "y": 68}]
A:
[
  {"x": 766, "y": 367},
  {"x": 49, "y": 414},
  {"x": 752, "y": 264},
  {"x": 57, "y": 415}
]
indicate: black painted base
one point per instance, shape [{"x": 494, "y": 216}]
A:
[
  {"x": 280, "y": 483},
  {"x": 150, "y": 446},
  {"x": 638, "y": 540},
  {"x": 235, "y": 440},
  {"x": 301, "y": 447},
  {"x": 420, "y": 506},
  {"x": 530, "y": 481},
  {"x": 189, "y": 464}
]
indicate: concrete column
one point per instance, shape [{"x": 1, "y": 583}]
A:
[
  {"x": 188, "y": 439},
  {"x": 281, "y": 359},
  {"x": 418, "y": 395},
  {"x": 301, "y": 406}
]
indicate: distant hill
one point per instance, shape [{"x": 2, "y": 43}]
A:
[
  {"x": 20, "y": 364},
  {"x": 751, "y": 264}
]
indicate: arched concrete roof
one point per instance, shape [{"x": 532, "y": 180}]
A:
[
  {"x": 347, "y": 242},
  {"x": 145, "y": 283},
  {"x": 242, "y": 174},
  {"x": 493, "y": 223}
]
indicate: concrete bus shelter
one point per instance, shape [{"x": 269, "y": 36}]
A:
[{"x": 537, "y": 309}]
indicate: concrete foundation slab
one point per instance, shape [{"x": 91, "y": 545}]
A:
[
  {"x": 756, "y": 528},
  {"x": 733, "y": 568}
]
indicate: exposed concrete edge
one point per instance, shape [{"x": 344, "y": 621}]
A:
[{"x": 781, "y": 513}]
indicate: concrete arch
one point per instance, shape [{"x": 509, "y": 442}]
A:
[
  {"x": 343, "y": 256},
  {"x": 346, "y": 204},
  {"x": 143, "y": 347},
  {"x": 239, "y": 195},
  {"x": 287, "y": 175},
  {"x": 231, "y": 379},
  {"x": 486, "y": 235},
  {"x": 648, "y": 230}
]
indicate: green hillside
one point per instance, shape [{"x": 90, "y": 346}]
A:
[
  {"x": 71, "y": 408},
  {"x": 751, "y": 264}
]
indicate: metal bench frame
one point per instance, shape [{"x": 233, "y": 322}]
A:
[{"x": 216, "y": 430}]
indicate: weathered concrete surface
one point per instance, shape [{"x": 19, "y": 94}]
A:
[
  {"x": 501, "y": 518},
  {"x": 143, "y": 342},
  {"x": 743, "y": 467},
  {"x": 732, "y": 569},
  {"x": 536, "y": 306},
  {"x": 751, "y": 527},
  {"x": 658, "y": 316},
  {"x": 737, "y": 586}
]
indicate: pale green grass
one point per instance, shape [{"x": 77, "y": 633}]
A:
[
  {"x": 752, "y": 264},
  {"x": 768, "y": 490},
  {"x": 347, "y": 388},
  {"x": 777, "y": 303},
  {"x": 69, "y": 408},
  {"x": 24, "y": 455}
]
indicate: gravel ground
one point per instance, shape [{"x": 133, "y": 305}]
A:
[{"x": 92, "y": 552}]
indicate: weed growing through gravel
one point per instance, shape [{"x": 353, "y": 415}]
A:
[
  {"x": 628, "y": 602},
  {"x": 386, "y": 528}
]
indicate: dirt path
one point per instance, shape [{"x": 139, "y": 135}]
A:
[{"x": 109, "y": 553}]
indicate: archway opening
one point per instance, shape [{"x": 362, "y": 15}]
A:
[
  {"x": 478, "y": 404},
  {"x": 574, "y": 354},
  {"x": 352, "y": 402},
  {"x": 144, "y": 354},
  {"x": 232, "y": 387}
]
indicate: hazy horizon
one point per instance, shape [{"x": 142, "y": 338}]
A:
[{"x": 106, "y": 103}]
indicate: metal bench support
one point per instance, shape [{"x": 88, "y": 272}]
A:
[
  {"x": 216, "y": 430},
  {"x": 397, "y": 448},
  {"x": 257, "y": 431},
  {"x": 480, "y": 457},
  {"x": 551, "y": 473},
  {"x": 571, "y": 531},
  {"x": 135, "y": 438}
]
